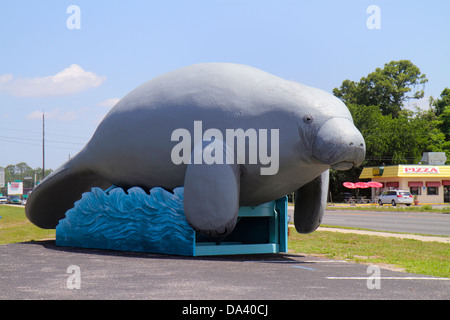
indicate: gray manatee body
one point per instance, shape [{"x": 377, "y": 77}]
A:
[{"x": 133, "y": 146}]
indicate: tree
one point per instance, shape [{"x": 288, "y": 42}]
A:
[
  {"x": 444, "y": 122},
  {"x": 440, "y": 104},
  {"x": 372, "y": 125},
  {"x": 393, "y": 134},
  {"x": 391, "y": 141},
  {"x": 386, "y": 88},
  {"x": 21, "y": 171},
  {"x": 441, "y": 109}
]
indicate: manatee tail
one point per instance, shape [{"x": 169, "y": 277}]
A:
[{"x": 58, "y": 192}]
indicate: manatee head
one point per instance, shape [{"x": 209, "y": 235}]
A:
[{"x": 327, "y": 131}]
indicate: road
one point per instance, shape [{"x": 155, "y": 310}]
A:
[{"x": 430, "y": 223}]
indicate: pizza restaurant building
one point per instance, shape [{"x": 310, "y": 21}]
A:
[{"x": 430, "y": 183}]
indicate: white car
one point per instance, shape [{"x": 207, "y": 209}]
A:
[
  {"x": 395, "y": 197},
  {"x": 3, "y": 200}
]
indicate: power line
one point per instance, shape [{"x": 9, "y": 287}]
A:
[
  {"x": 38, "y": 144},
  {"x": 47, "y": 132},
  {"x": 53, "y": 141}
]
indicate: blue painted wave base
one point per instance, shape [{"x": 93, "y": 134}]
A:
[{"x": 128, "y": 221}]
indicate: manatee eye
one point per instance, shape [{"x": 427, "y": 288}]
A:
[{"x": 308, "y": 119}]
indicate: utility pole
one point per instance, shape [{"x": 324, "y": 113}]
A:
[{"x": 43, "y": 145}]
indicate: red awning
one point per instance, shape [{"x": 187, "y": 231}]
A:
[
  {"x": 392, "y": 184},
  {"x": 433, "y": 184},
  {"x": 446, "y": 182},
  {"x": 415, "y": 184}
]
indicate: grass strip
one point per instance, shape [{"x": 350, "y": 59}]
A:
[
  {"x": 15, "y": 227},
  {"x": 427, "y": 258},
  {"x": 389, "y": 208}
]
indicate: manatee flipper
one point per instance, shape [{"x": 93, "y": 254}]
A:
[
  {"x": 211, "y": 196},
  {"x": 57, "y": 193},
  {"x": 310, "y": 203}
]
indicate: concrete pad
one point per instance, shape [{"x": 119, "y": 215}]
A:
[{"x": 40, "y": 270}]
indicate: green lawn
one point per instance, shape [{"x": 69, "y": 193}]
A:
[
  {"x": 428, "y": 258},
  {"x": 389, "y": 208},
  {"x": 15, "y": 227}
]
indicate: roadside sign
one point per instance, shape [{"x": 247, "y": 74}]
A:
[{"x": 15, "y": 188}]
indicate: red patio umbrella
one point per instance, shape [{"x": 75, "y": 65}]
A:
[
  {"x": 362, "y": 185},
  {"x": 375, "y": 184},
  {"x": 350, "y": 185}
]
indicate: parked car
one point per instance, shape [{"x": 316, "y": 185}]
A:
[
  {"x": 395, "y": 197},
  {"x": 3, "y": 200},
  {"x": 14, "y": 200}
]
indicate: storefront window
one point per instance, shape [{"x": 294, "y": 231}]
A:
[
  {"x": 432, "y": 191},
  {"x": 415, "y": 191}
]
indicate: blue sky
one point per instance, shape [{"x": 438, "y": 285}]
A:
[{"x": 76, "y": 75}]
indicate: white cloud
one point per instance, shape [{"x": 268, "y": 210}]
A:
[
  {"x": 5, "y": 78},
  {"x": 71, "y": 80},
  {"x": 109, "y": 103}
]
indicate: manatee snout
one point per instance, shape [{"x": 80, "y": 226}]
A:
[{"x": 339, "y": 144}]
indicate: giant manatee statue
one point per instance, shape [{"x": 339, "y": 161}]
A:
[{"x": 310, "y": 131}]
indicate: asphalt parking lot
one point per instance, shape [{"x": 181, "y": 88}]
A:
[{"x": 40, "y": 270}]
